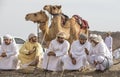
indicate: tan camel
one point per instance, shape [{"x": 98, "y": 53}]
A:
[
  {"x": 42, "y": 19},
  {"x": 71, "y": 27}
]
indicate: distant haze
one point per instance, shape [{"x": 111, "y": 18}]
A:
[{"x": 102, "y": 15}]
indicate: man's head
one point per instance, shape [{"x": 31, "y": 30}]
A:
[
  {"x": 92, "y": 36},
  {"x": 60, "y": 37},
  {"x": 108, "y": 33},
  {"x": 32, "y": 37},
  {"x": 7, "y": 39},
  {"x": 82, "y": 38},
  {"x": 95, "y": 40}
]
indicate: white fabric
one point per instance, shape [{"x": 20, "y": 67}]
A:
[
  {"x": 31, "y": 35},
  {"x": 7, "y": 36},
  {"x": 53, "y": 63},
  {"x": 109, "y": 42},
  {"x": 9, "y": 62},
  {"x": 116, "y": 53},
  {"x": 101, "y": 54},
  {"x": 78, "y": 52}
]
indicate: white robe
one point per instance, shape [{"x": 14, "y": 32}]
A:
[
  {"x": 109, "y": 42},
  {"x": 78, "y": 52},
  {"x": 101, "y": 54},
  {"x": 9, "y": 62},
  {"x": 53, "y": 63}
]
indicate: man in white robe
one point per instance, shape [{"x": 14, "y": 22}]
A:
[
  {"x": 99, "y": 56},
  {"x": 8, "y": 59},
  {"x": 109, "y": 41},
  {"x": 57, "y": 49},
  {"x": 77, "y": 59}
]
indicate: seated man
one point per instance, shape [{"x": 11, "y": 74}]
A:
[
  {"x": 99, "y": 56},
  {"x": 30, "y": 53},
  {"x": 77, "y": 59},
  {"x": 57, "y": 49},
  {"x": 8, "y": 59}
]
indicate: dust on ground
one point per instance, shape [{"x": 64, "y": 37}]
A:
[{"x": 114, "y": 71}]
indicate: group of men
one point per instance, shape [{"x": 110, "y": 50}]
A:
[{"x": 60, "y": 55}]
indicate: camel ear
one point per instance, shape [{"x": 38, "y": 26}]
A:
[
  {"x": 59, "y": 7},
  {"x": 41, "y": 10}
]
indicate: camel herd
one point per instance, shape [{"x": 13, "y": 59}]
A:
[{"x": 59, "y": 23}]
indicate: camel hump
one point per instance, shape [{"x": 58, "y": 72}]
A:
[{"x": 83, "y": 23}]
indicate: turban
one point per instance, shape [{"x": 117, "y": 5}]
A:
[
  {"x": 92, "y": 36},
  {"x": 83, "y": 36},
  {"x": 31, "y": 35},
  {"x": 61, "y": 34},
  {"x": 96, "y": 38},
  {"x": 7, "y": 36}
]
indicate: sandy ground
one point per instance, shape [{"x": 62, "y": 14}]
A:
[{"x": 114, "y": 71}]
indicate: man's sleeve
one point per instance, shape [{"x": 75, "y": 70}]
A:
[
  {"x": 39, "y": 51},
  {"x": 23, "y": 49},
  {"x": 13, "y": 51},
  {"x": 64, "y": 50}
]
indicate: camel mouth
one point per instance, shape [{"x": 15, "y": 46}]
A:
[{"x": 26, "y": 19}]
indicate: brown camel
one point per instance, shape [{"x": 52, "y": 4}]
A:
[{"x": 71, "y": 27}]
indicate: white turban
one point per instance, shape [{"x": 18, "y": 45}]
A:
[
  {"x": 93, "y": 35},
  {"x": 96, "y": 38},
  {"x": 61, "y": 34},
  {"x": 31, "y": 35},
  {"x": 7, "y": 36}
]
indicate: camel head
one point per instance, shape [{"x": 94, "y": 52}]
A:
[
  {"x": 37, "y": 17},
  {"x": 53, "y": 9}
]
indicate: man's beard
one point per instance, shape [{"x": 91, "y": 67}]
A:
[
  {"x": 34, "y": 40},
  {"x": 7, "y": 43},
  {"x": 61, "y": 42}
]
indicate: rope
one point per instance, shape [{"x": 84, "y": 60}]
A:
[{"x": 43, "y": 35}]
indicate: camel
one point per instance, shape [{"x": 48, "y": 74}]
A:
[
  {"x": 71, "y": 27},
  {"x": 41, "y": 18}
]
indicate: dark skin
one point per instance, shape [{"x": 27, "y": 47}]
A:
[
  {"x": 82, "y": 41},
  {"x": 60, "y": 40}
]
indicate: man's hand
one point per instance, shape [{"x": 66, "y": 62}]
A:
[
  {"x": 86, "y": 51},
  {"x": 51, "y": 53},
  {"x": 95, "y": 63},
  {"x": 73, "y": 61},
  {"x": 31, "y": 51},
  {"x": 3, "y": 54}
]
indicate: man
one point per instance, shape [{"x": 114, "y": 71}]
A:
[
  {"x": 77, "y": 59},
  {"x": 8, "y": 59},
  {"x": 109, "y": 41},
  {"x": 99, "y": 56},
  {"x": 57, "y": 49},
  {"x": 30, "y": 53}
]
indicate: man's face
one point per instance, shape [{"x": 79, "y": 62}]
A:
[
  {"x": 34, "y": 39},
  {"x": 60, "y": 39},
  {"x": 82, "y": 41},
  {"x": 7, "y": 41},
  {"x": 107, "y": 34}
]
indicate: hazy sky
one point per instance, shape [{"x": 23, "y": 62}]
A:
[{"x": 102, "y": 15}]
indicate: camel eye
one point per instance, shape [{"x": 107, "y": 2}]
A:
[
  {"x": 35, "y": 14},
  {"x": 53, "y": 7}
]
